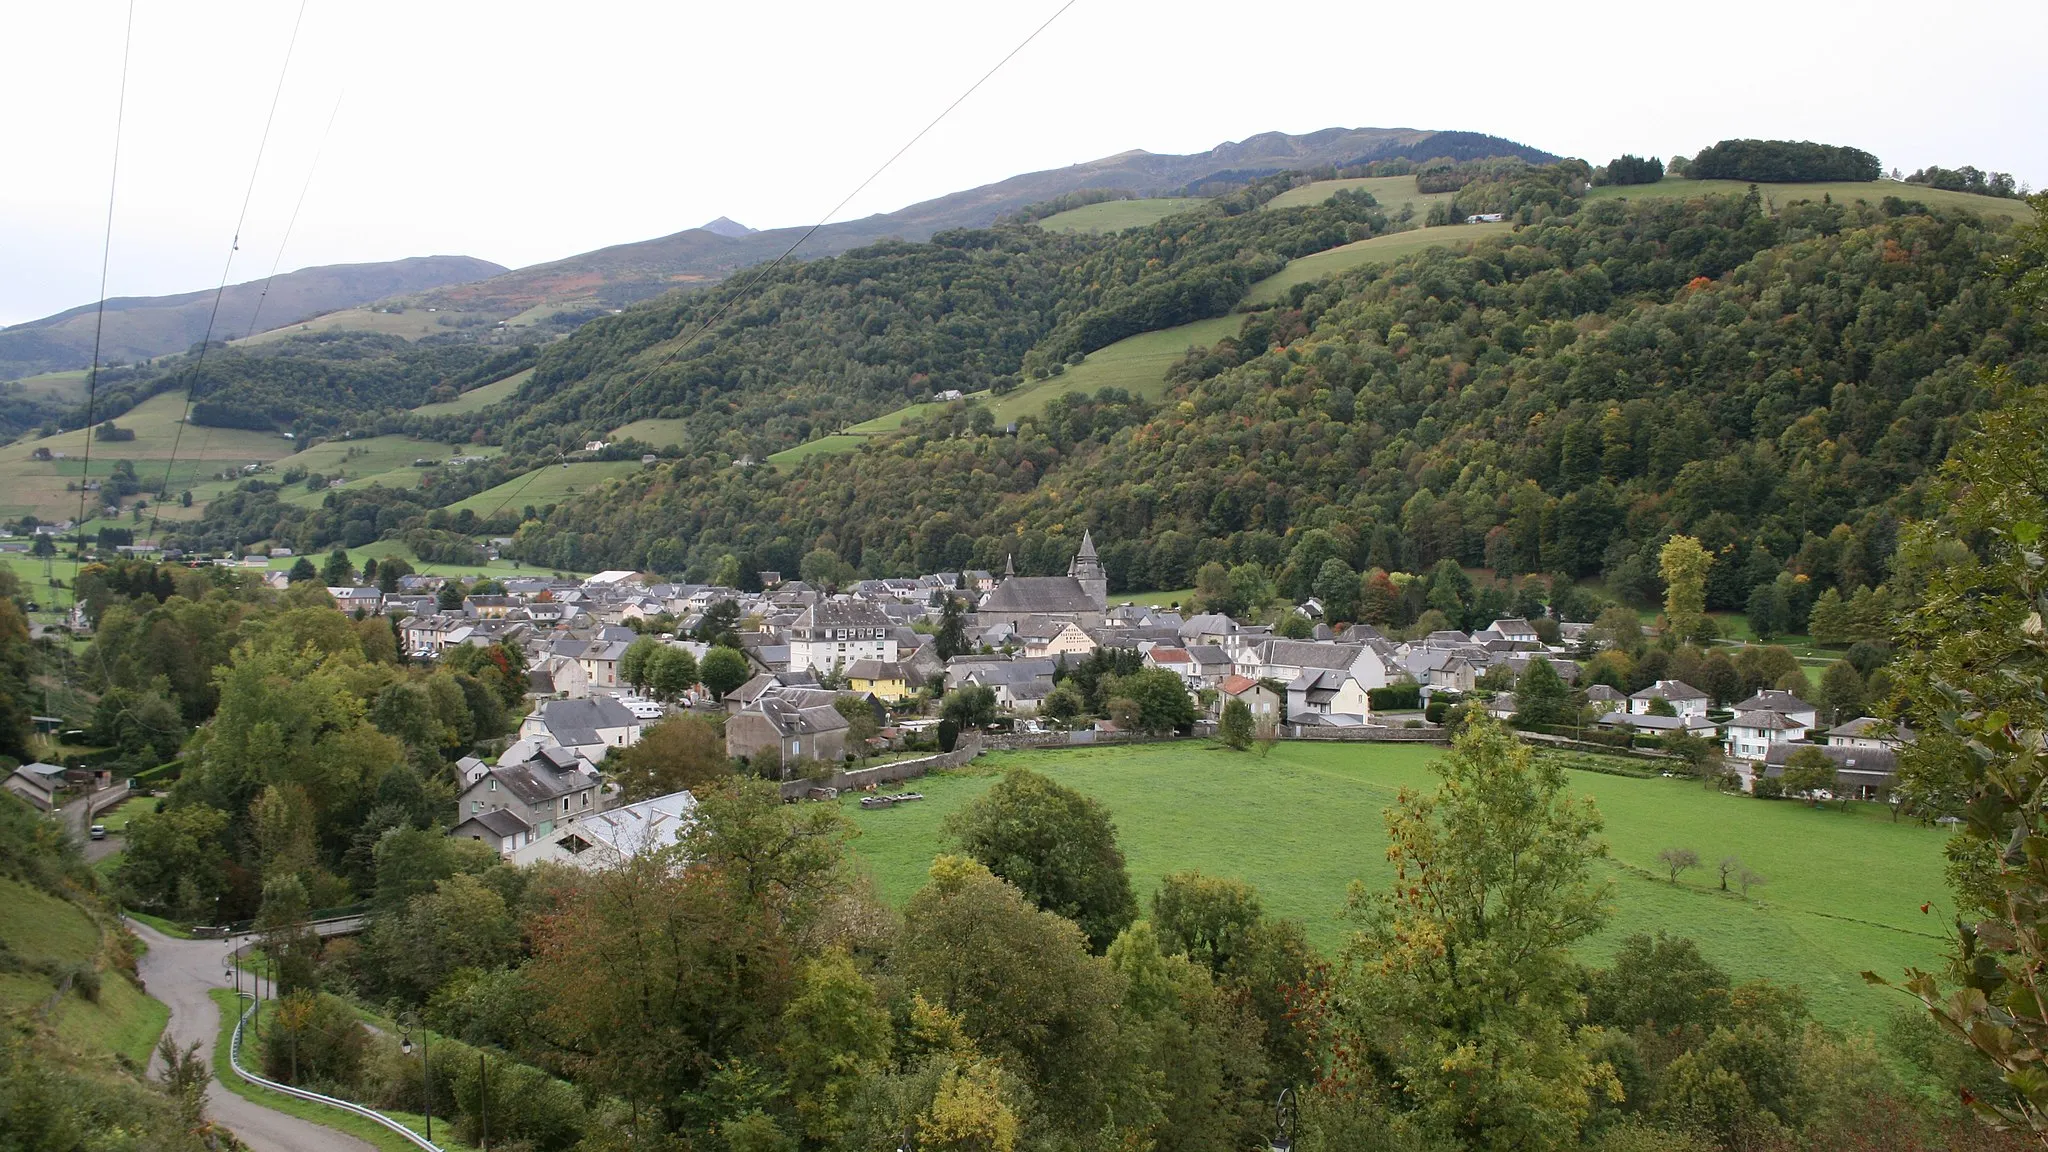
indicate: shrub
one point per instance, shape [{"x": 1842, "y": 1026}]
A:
[
  {"x": 1768, "y": 788},
  {"x": 1395, "y": 697}
]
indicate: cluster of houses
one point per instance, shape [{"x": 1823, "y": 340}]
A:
[{"x": 809, "y": 648}]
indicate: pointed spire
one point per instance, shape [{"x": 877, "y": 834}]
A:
[
  {"x": 1087, "y": 545},
  {"x": 1009, "y": 565}
]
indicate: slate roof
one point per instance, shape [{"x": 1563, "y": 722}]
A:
[
  {"x": 791, "y": 720},
  {"x": 1772, "y": 700},
  {"x": 844, "y": 614},
  {"x": 1859, "y": 765},
  {"x": 1871, "y": 728},
  {"x": 499, "y": 822},
  {"x": 593, "y": 713},
  {"x": 1670, "y": 690},
  {"x": 874, "y": 670},
  {"x": 1040, "y": 594},
  {"x": 1765, "y": 721}
]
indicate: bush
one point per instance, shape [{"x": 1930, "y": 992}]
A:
[
  {"x": 1411, "y": 724},
  {"x": 1436, "y": 711},
  {"x": 1395, "y": 697},
  {"x": 1768, "y": 788}
]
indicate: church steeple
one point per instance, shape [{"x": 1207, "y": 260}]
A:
[
  {"x": 1087, "y": 570},
  {"x": 1009, "y": 564}
]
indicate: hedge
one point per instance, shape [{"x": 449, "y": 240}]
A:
[{"x": 1395, "y": 697}]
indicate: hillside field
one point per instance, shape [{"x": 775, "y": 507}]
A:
[
  {"x": 67, "y": 386},
  {"x": 1377, "y": 250},
  {"x": 1136, "y": 364},
  {"x": 412, "y": 323},
  {"x": 822, "y": 446},
  {"x": 37, "y": 926},
  {"x": 1778, "y": 195},
  {"x": 477, "y": 399},
  {"x": 373, "y": 460},
  {"x": 1393, "y": 193},
  {"x": 547, "y": 485},
  {"x": 1843, "y": 895},
  {"x": 1117, "y": 215},
  {"x": 33, "y": 487},
  {"x": 658, "y": 432}
]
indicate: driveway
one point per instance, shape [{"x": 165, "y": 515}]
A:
[
  {"x": 76, "y": 820},
  {"x": 180, "y": 973}
]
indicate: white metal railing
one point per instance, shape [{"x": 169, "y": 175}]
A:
[{"x": 235, "y": 1059}]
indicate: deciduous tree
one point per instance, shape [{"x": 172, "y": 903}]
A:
[{"x": 1057, "y": 846}]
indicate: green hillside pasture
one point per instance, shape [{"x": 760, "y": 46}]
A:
[
  {"x": 411, "y": 324},
  {"x": 549, "y": 485},
  {"x": 381, "y": 460},
  {"x": 384, "y": 549},
  {"x": 33, "y": 487},
  {"x": 1378, "y": 250},
  {"x": 660, "y": 433},
  {"x": 39, "y": 927},
  {"x": 1393, "y": 193},
  {"x": 1117, "y": 215},
  {"x": 1300, "y": 824},
  {"x": 823, "y": 446},
  {"x": 894, "y": 421},
  {"x": 1136, "y": 364},
  {"x": 66, "y": 386},
  {"x": 477, "y": 399},
  {"x": 1778, "y": 195},
  {"x": 1160, "y": 599}
]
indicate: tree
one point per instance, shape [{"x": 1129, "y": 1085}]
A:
[
  {"x": 1542, "y": 696},
  {"x": 861, "y": 725},
  {"x": 679, "y": 753},
  {"x": 671, "y": 671},
  {"x": 1808, "y": 772},
  {"x": 302, "y": 571},
  {"x": 1769, "y": 614},
  {"x": 1161, "y": 697},
  {"x": 1057, "y": 846},
  {"x": 970, "y": 706},
  {"x": 1235, "y": 729},
  {"x": 339, "y": 570},
  {"x": 1379, "y": 601},
  {"x": 722, "y": 670},
  {"x": 1659, "y": 706},
  {"x": 1336, "y": 586},
  {"x": 1294, "y": 626},
  {"x": 835, "y": 1033},
  {"x": 1730, "y": 865},
  {"x": 1662, "y": 981},
  {"x": 1720, "y": 678},
  {"x": 450, "y": 597},
  {"x": 951, "y": 638},
  {"x": 1461, "y": 980},
  {"x": 1676, "y": 860},
  {"x": 1843, "y": 695},
  {"x": 1683, "y": 564},
  {"x": 390, "y": 572},
  {"x": 634, "y": 662}
]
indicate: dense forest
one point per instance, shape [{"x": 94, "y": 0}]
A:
[{"x": 1556, "y": 401}]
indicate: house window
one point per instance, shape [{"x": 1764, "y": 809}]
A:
[{"x": 494, "y": 784}]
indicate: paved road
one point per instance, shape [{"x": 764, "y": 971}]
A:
[
  {"x": 75, "y": 820},
  {"x": 179, "y": 973}
]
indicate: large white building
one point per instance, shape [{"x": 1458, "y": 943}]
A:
[{"x": 835, "y": 634}]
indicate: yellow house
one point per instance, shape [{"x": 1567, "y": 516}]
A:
[{"x": 883, "y": 678}]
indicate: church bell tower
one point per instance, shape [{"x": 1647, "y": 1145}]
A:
[{"x": 1087, "y": 569}]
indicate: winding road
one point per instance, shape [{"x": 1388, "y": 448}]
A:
[{"x": 180, "y": 973}]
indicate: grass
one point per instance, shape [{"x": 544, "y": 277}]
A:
[
  {"x": 1117, "y": 215},
  {"x": 1777, "y": 195},
  {"x": 547, "y": 485},
  {"x": 477, "y": 399},
  {"x": 36, "y": 487},
  {"x": 1377, "y": 250},
  {"x": 894, "y": 421},
  {"x": 1393, "y": 192},
  {"x": 68, "y": 385},
  {"x": 36, "y": 926},
  {"x": 1160, "y": 599},
  {"x": 1300, "y": 825},
  {"x": 1136, "y": 364},
  {"x": 658, "y": 432},
  {"x": 167, "y": 927},
  {"x": 376, "y": 1135},
  {"x": 823, "y": 446},
  {"x": 362, "y": 463},
  {"x": 412, "y": 324}
]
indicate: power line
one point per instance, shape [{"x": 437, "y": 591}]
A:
[
  {"x": 760, "y": 272},
  {"x": 192, "y": 379},
  {"x": 92, "y": 379},
  {"x": 292, "y": 223}
]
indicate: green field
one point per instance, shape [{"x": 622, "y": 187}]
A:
[
  {"x": 548, "y": 485},
  {"x": 32, "y": 487},
  {"x": 36, "y": 926},
  {"x": 893, "y": 421},
  {"x": 1844, "y": 889},
  {"x": 477, "y": 399},
  {"x": 1136, "y": 364},
  {"x": 660, "y": 433},
  {"x": 1393, "y": 193},
  {"x": 823, "y": 446},
  {"x": 1117, "y": 215},
  {"x": 1778, "y": 195},
  {"x": 68, "y": 386},
  {"x": 412, "y": 324},
  {"x": 1378, "y": 250},
  {"x": 1159, "y": 599}
]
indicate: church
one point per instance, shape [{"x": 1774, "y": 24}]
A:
[{"x": 1082, "y": 595}]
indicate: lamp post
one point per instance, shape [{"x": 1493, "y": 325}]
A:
[
  {"x": 1283, "y": 1122},
  {"x": 426, "y": 1068}
]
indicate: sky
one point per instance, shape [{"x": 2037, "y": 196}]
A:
[{"x": 521, "y": 133}]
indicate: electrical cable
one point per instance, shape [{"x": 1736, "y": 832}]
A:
[
  {"x": 192, "y": 379},
  {"x": 757, "y": 274},
  {"x": 278, "y": 261}
]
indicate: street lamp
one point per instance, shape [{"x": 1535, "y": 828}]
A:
[
  {"x": 1283, "y": 1122},
  {"x": 426, "y": 1067}
]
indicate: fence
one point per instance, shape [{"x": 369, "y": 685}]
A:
[{"x": 376, "y": 1117}]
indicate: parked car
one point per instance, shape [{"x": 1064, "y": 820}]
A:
[{"x": 98, "y": 832}]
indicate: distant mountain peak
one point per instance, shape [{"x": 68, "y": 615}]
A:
[{"x": 727, "y": 226}]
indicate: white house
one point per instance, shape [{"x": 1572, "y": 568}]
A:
[
  {"x": 1684, "y": 699},
  {"x": 592, "y": 726},
  {"x": 839, "y": 632},
  {"x": 1752, "y": 735},
  {"x": 1868, "y": 732},
  {"x": 1784, "y": 704},
  {"x": 1328, "y": 692}
]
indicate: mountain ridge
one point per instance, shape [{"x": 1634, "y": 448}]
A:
[{"x": 142, "y": 327}]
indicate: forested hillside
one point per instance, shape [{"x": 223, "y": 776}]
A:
[{"x": 1558, "y": 400}]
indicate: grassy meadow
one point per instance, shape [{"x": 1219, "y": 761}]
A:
[
  {"x": 658, "y": 432},
  {"x": 546, "y": 485},
  {"x": 1843, "y": 894},
  {"x": 1136, "y": 364},
  {"x": 477, "y": 399},
  {"x": 1393, "y": 193},
  {"x": 1377, "y": 250},
  {"x": 411, "y": 324},
  {"x": 1117, "y": 215},
  {"x": 68, "y": 385},
  {"x": 1843, "y": 191},
  {"x": 36, "y": 487}
]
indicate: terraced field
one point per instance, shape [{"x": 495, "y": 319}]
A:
[{"x": 1117, "y": 215}]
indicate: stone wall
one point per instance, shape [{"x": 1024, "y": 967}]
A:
[
  {"x": 1364, "y": 735},
  {"x": 894, "y": 772}
]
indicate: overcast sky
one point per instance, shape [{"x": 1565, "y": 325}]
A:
[{"x": 526, "y": 132}]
